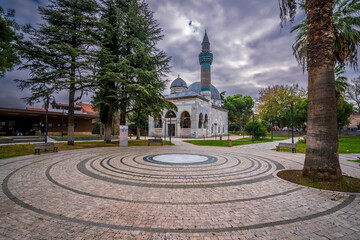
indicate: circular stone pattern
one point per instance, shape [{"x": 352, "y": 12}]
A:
[{"x": 180, "y": 159}]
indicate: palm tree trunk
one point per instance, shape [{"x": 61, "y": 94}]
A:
[{"x": 322, "y": 155}]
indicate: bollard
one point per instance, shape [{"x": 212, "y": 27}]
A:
[{"x": 229, "y": 143}]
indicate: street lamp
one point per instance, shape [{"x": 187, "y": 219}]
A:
[
  {"x": 215, "y": 129},
  {"x": 47, "y": 113},
  {"x": 228, "y": 131},
  {"x": 253, "y": 130},
  {"x": 292, "y": 122},
  {"x": 170, "y": 115},
  {"x": 62, "y": 122},
  {"x": 164, "y": 129}
]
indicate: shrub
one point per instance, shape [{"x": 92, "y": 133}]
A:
[{"x": 259, "y": 129}]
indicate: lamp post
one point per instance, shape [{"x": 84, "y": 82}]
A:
[
  {"x": 165, "y": 129},
  {"x": 47, "y": 115},
  {"x": 62, "y": 123},
  {"x": 253, "y": 130},
  {"x": 215, "y": 129},
  {"x": 292, "y": 122},
  {"x": 228, "y": 131},
  {"x": 170, "y": 115}
]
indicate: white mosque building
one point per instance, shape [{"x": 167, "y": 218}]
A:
[{"x": 200, "y": 113}]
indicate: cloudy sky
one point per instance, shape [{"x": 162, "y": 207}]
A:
[{"x": 250, "y": 49}]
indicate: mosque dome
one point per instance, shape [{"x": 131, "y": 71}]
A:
[
  {"x": 178, "y": 85},
  {"x": 179, "y": 82},
  {"x": 195, "y": 87}
]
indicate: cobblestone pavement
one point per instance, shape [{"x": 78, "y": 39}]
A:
[{"x": 124, "y": 193}]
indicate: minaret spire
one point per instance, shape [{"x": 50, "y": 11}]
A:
[{"x": 205, "y": 59}]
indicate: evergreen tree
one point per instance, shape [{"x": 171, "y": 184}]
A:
[
  {"x": 131, "y": 68},
  {"x": 8, "y": 38},
  {"x": 58, "y": 53}
]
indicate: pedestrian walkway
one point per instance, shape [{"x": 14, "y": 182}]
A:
[{"x": 170, "y": 192}]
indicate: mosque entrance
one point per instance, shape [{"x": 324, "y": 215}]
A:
[{"x": 171, "y": 130}]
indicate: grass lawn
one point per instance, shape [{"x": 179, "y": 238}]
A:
[
  {"x": 346, "y": 184},
  {"x": 94, "y": 135},
  {"x": 237, "y": 142},
  {"x": 357, "y": 161},
  {"x": 347, "y": 144},
  {"x": 8, "y": 151}
]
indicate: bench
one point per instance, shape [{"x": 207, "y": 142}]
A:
[
  {"x": 286, "y": 145},
  {"x": 38, "y": 146},
  {"x": 155, "y": 140}
]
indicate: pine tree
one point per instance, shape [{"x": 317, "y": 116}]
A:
[
  {"x": 8, "y": 38},
  {"x": 58, "y": 53},
  {"x": 130, "y": 66}
]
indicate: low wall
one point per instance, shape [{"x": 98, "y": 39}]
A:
[{"x": 85, "y": 138}]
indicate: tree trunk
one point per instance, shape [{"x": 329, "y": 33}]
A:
[
  {"x": 138, "y": 127},
  {"x": 71, "y": 114},
  {"x": 108, "y": 127},
  {"x": 322, "y": 156}
]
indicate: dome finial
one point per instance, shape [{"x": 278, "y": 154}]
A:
[{"x": 178, "y": 75}]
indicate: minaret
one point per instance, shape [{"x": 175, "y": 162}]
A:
[{"x": 205, "y": 59}]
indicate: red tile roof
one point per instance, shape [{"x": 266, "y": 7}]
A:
[
  {"x": 35, "y": 109},
  {"x": 87, "y": 108}
]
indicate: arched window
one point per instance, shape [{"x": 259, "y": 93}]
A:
[
  {"x": 206, "y": 121},
  {"x": 185, "y": 120},
  {"x": 200, "y": 120},
  {"x": 170, "y": 114}
]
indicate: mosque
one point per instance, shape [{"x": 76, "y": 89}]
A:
[{"x": 200, "y": 113}]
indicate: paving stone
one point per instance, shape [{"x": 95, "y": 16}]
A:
[{"x": 133, "y": 193}]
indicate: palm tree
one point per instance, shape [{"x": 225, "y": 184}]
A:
[
  {"x": 346, "y": 36},
  {"x": 322, "y": 155},
  {"x": 341, "y": 83}
]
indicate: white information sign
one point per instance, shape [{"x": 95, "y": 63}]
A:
[{"x": 123, "y": 138}]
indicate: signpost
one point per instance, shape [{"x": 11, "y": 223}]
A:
[{"x": 124, "y": 133}]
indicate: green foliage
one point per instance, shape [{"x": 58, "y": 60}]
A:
[
  {"x": 259, "y": 129},
  {"x": 267, "y": 125},
  {"x": 240, "y": 108},
  {"x": 275, "y": 100},
  {"x": 234, "y": 127},
  {"x": 58, "y": 53},
  {"x": 343, "y": 112},
  {"x": 346, "y": 33},
  {"x": 344, "y": 109},
  {"x": 341, "y": 83},
  {"x": 300, "y": 113},
  {"x": 133, "y": 117},
  {"x": 130, "y": 70},
  {"x": 8, "y": 38}
]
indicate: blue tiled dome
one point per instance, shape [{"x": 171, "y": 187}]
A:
[
  {"x": 196, "y": 87},
  {"x": 179, "y": 82}
]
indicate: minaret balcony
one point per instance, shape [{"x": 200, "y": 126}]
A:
[{"x": 205, "y": 57}]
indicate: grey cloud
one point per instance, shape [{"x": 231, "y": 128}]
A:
[{"x": 250, "y": 49}]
